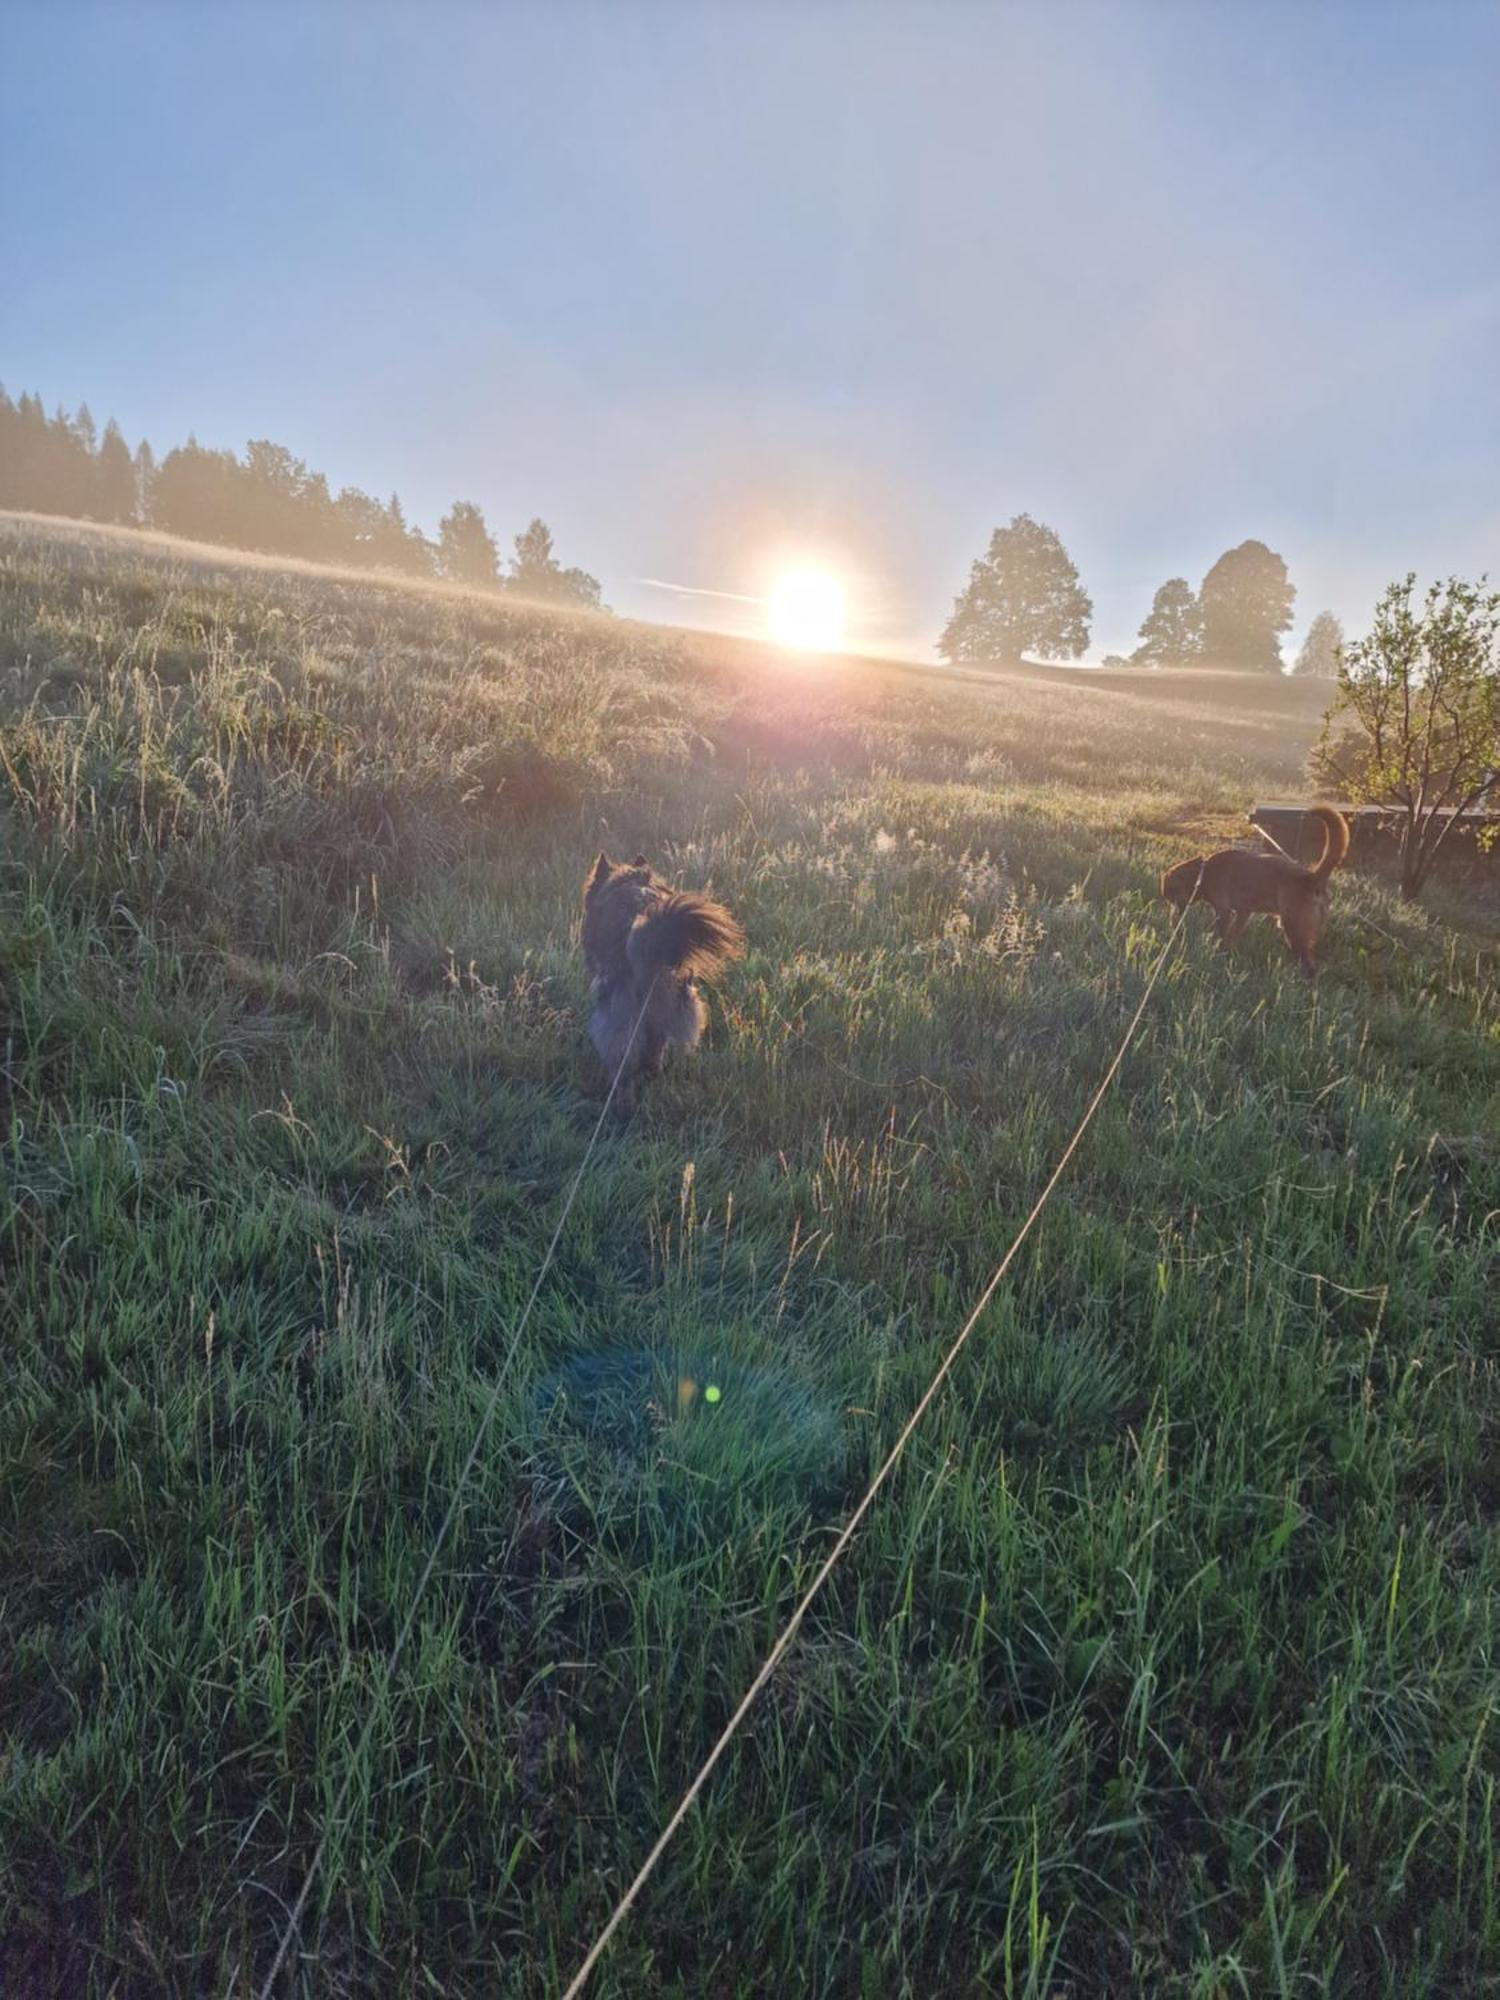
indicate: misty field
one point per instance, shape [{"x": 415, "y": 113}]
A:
[{"x": 1166, "y": 1662}]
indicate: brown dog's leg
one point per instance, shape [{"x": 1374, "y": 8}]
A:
[{"x": 1300, "y": 927}]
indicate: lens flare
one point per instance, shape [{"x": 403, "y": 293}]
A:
[{"x": 806, "y": 611}]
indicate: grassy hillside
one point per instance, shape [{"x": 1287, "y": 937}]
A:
[{"x": 1167, "y": 1662}]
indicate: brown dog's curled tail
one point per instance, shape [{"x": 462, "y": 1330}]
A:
[
  {"x": 1335, "y": 842},
  {"x": 685, "y": 934}
]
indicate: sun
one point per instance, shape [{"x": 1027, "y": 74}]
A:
[{"x": 806, "y": 611}]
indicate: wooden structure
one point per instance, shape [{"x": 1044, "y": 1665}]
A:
[{"x": 1375, "y": 835}]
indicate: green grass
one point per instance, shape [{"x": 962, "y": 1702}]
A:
[{"x": 1166, "y": 1663}]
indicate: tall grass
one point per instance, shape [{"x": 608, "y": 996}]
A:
[{"x": 1168, "y": 1664}]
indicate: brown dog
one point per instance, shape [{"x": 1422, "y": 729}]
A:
[
  {"x": 1239, "y": 884},
  {"x": 646, "y": 945}
]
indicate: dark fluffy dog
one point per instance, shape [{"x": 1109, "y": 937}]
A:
[
  {"x": 1238, "y": 884},
  {"x": 646, "y": 945}
]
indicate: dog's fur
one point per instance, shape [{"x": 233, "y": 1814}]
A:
[
  {"x": 1238, "y": 884},
  {"x": 646, "y": 945}
]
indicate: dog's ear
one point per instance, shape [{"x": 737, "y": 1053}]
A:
[
  {"x": 640, "y": 861},
  {"x": 601, "y": 870}
]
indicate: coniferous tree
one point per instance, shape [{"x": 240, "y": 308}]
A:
[
  {"x": 145, "y": 479},
  {"x": 9, "y": 448},
  {"x": 536, "y": 574},
  {"x": 33, "y": 449},
  {"x": 402, "y": 547},
  {"x": 48, "y": 464},
  {"x": 114, "y": 478},
  {"x": 70, "y": 463},
  {"x": 533, "y": 563},
  {"x": 1321, "y": 649},
  {"x": 392, "y": 540},
  {"x": 269, "y": 500}
]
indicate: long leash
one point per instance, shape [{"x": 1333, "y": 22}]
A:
[
  {"x": 851, "y": 1527},
  {"x": 295, "y": 1918}
]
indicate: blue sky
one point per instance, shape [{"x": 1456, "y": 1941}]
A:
[{"x": 720, "y": 288}]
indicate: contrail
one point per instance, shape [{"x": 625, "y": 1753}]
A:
[{"x": 691, "y": 590}]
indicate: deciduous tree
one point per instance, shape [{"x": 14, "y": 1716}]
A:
[
  {"x": 1247, "y": 605},
  {"x": 1172, "y": 632},
  {"x": 1416, "y": 722},
  {"x": 466, "y": 548},
  {"x": 1023, "y": 594}
]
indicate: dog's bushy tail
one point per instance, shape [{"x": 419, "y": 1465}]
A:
[
  {"x": 685, "y": 934},
  {"x": 1335, "y": 842}
]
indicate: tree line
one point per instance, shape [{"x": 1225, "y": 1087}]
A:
[
  {"x": 268, "y": 500},
  {"x": 1024, "y": 595}
]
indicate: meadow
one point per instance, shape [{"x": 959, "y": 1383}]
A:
[{"x": 1167, "y": 1661}]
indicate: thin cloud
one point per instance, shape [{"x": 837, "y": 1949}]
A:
[{"x": 692, "y": 590}]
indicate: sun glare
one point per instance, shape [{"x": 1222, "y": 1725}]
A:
[{"x": 806, "y": 611}]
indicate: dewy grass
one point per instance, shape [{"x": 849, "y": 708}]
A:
[
  {"x": 692, "y": 1443},
  {"x": 1166, "y": 1663}
]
